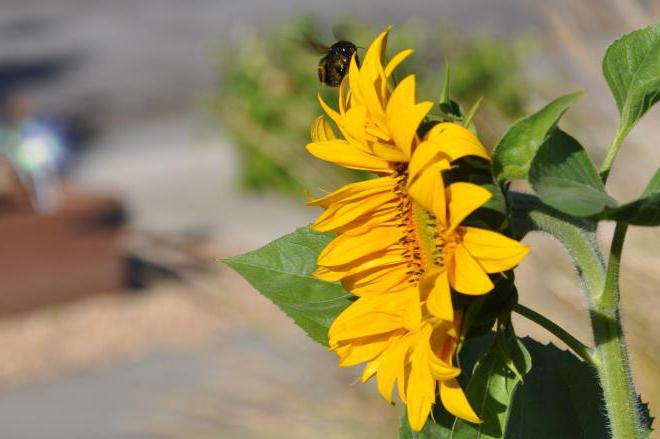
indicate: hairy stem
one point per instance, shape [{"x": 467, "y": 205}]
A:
[
  {"x": 576, "y": 345},
  {"x": 611, "y": 351},
  {"x": 601, "y": 287}
]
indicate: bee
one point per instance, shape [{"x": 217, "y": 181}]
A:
[{"x": 336, "y": 59}]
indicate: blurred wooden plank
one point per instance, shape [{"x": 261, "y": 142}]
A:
[{"x": 46, "y": 259}]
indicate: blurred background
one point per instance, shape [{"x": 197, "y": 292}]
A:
[{"x": 141, "y": 140}]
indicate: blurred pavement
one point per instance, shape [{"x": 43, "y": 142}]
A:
[
  {"x": 177, "y": 175},
  {"x": 123, "y": 58}
]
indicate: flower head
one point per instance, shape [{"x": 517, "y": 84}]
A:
[{"x": 401, "y": 246}]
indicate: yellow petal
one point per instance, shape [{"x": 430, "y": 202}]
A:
[
  {"x": 345, "y": 249},
  {"x": 378, "y": 133},
  {"x": 321, "y": 130},
  {"x": 347, "y": 126},
  {"x": 382, "y": 307},
  {"x": 336, "y": 117},
  {"x": 350, "y": 210},
  {"x": 439, "y": 300},
  {"x": 344, "y": 93},
  {"x": 402, "y": 378},
  {"x": 454, "y": 400},
  {"x": 453, "y": 331},
  {"x": 379, "y": 280},
  {"x": 425, "y": 155},
  {"x": 391, "y": 365},
  {"x": 366, "y": 187},
  {"x": 428, "y": 190},
  {"x": 370, "y": 80},
  {"x": 363, "y": 349},
  {"x": 466, "y": 275},
  {"x": 396, "y": 60},
  {"x": 441, "y": 370},
  {"x": 420, "y": 392},
  {"x": 368, "y": 316},
  {"x": 353, "y": 124},
  {"x": 372, "y": 65},
  {"x": 403, "y": 116},
  {"x": 412, "y": 315},
  {"x": 383, "y": 216},
  {"x": 456, "y": 141},
  {"x": 389, "y": 152},
  {"x": 402, "y": 98},
  {"x": 328, "y": 275},
  {"x": 464, "y": 198},
  {"x": 493, "y": 251},
  {"x": 354, "y": 83},
  {"x": 370, "y": 370},
  {"x": 348, "y": 155},
  {"x": 377, "y": 323},
  {"x": 379, "y": 260}
]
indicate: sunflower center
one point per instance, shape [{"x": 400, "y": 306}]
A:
[{"x": 423, "y": 241}]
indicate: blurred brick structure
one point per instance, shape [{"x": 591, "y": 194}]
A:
[{"x": 45, "y": 259}]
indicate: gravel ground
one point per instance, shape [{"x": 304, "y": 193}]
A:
[{"x": 178, "y": 362}]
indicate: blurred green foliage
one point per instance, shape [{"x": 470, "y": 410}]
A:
[{"x": 267, "y": 87}]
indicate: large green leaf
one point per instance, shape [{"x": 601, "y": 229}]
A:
[
  {"x": 282, "y": 270},
  {"x": 564, "y": 177},
  {"x": 513, "y": 155},
  {"x": 492, "y": 386},
  {"x": 559, "y": 398},
  {"x": 632, "y": 69},
  {"x": 644, "y": 211}
]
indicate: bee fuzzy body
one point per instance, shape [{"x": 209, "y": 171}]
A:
[{"x": 334, "y": 64}]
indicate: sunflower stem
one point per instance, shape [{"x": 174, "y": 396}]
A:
[
  {"x": 601, "y": 287},
  {"x": 611, "y": 154},
  {"x": 576, "y": 345},
  {"x": 611, "y": 352}
]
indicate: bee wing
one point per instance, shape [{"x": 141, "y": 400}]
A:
[
  {"x": 340, "y": 32},
  {"x": 315, "y": 45}
]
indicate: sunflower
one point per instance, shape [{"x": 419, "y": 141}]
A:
[{"x": 401, "y": 246}]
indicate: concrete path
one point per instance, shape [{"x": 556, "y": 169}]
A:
[{"x": 177, "y": 175}]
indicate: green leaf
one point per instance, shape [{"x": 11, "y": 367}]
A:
[
  {"x": 513, "y": 155},
  {"x": 631, "y": 67},
  {"x": 644, "y": 211},
  {"x": 282, "y": 271},
  {"x": 559, "y": 398},
  {"x": 431, "y": 430},
  {"x": 444, "y": 93},
  {"x": 564, "y": 177},
  {"x": 492, "y": 386},
  {"x": 471, "y": 113}
]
